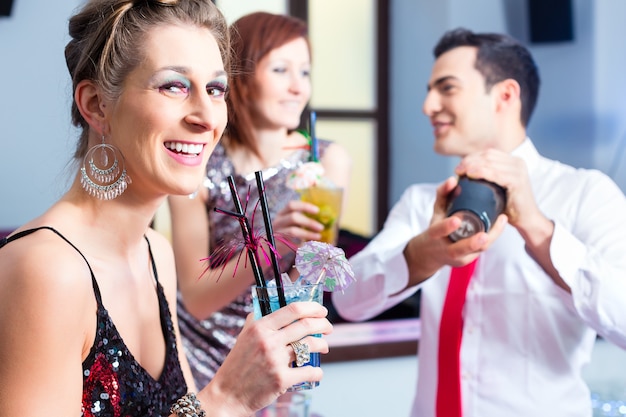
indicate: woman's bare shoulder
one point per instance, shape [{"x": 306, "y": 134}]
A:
[
  {"x": 159, "y": 242},
  {"x": 41, "y": 266},
  {"x": 336, "y": 154},
  {"x": 47, "y": 317},
  {"x": 337, "y": 164}
]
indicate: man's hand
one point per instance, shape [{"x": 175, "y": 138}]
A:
[
  {"x": 510, "y": 173},
  {"x": 521, "y": 208},
  {"x": 432, "y": 249}
]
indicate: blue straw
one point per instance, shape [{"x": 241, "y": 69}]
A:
[{"x": 314, "y": 146}]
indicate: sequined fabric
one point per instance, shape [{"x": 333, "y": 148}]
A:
[
  {"x": 114, "y": 383},
  {"x": 207, "y": 342}
]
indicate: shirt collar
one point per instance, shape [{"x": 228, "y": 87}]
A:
[{"x": 528, "y": 153}]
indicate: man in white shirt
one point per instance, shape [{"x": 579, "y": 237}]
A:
[{"x": 551, "y": 271}]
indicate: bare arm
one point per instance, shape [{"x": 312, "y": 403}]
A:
[
  {"x": 429, "y": 251},
  {"x": 203, "y": 292},
  {"x": 47, "y": 317}
]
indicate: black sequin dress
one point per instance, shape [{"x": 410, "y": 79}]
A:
[
  {"x": 114, "y": 383},
  {"x": 207, "y": 342}
]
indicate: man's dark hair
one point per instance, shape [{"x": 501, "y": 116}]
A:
[{"x": 499, "y": 57}]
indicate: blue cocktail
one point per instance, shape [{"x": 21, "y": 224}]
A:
[{"x": 293, "y": 293}]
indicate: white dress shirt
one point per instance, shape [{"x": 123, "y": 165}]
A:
[{"x": 525, "y": 340}]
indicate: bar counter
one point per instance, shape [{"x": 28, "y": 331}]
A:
[{"x": 373, "y": 340}]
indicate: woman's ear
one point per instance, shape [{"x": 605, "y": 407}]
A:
[{"x": 90, "y": 102}]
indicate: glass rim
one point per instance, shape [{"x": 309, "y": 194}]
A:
[{"x": 273, "y": 287}]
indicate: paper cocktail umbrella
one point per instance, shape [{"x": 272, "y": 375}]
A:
[{"x": 319, "y": 262}]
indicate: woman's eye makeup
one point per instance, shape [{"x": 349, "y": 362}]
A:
[
  {"x": 218, "y": 87},
  {"x": 175, "y": 85},
  {"x": 179, "y": 85}
]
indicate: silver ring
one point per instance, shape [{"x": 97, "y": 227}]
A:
[{"x": 303, "y": 354}]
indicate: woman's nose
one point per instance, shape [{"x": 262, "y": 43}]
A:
[
  {"x": 299, "y": 83},
  {"x": 204, "y": 111}
]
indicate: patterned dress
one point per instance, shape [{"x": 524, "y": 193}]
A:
[
  {"x": 114, "y": 383},
  {"x": 207, "y": 342}
]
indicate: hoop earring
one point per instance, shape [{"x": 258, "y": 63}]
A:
[{"x": 105, "y": 179}]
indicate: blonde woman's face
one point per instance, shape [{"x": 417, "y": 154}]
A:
[
  {"x": 172, "y": 111},
  {"x": 283, "y": 85}
]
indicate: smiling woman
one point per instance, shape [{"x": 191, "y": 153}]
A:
[
  {"x": 85, "y": 288},
  {"x": 179, "y": 106}
]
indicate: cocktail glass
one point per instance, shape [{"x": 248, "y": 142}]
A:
[
  {"x": 329, "y": 202},
  {"x": 293, "y": 293},
  {"x": 291, "y": 404}
]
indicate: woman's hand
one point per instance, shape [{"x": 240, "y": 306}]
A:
[
  {"x": 258, "y": 368},
  {"x": 292, "y": 221}
]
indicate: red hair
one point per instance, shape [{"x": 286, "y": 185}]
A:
[{"x": 253, "y": 36}]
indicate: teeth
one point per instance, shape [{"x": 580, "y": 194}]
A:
[{"x": 186, "y": 148}]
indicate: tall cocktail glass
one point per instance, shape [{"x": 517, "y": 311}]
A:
[
  {"x": 328, "y": 200},
  {"x": 293, "y": 293}
]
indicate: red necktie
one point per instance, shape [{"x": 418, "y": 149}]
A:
[{"x": 450, "y": 333}]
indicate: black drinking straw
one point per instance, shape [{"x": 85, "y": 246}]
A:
[
  {"x": 270, "y": 238},
  {"x": 314, "y": 157},
  {"x": 246, "y": 230}
]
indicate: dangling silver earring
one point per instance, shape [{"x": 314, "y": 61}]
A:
[{"x": 101, "y": 174}]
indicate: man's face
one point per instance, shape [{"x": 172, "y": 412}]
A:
[{"x": 460, "y": 109}]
